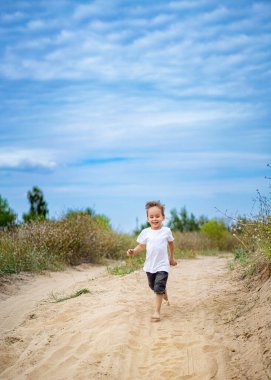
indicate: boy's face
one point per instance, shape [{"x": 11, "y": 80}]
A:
[{"x": 155, "y": 217}]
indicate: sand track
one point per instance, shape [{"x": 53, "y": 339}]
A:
[{"x": 107, "y": 334}]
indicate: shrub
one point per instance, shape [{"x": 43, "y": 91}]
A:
[
  {"x": 191, "y": 241},
  {"x": 217, "y": 232},
  {"x": 254, "y": 235},
  {"x": 40, "y": 245},
  {"x": 188, "y": 244}
]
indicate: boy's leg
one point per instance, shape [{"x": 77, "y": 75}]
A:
[
  {"x": 151, "y": 279},
  {"x": 158, "y": 303},
  {"x": 160, "y": 290},
  {"x": 165, "y": 297}
]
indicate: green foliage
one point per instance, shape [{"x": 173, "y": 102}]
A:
[
  {"x": 185, "y": 253},
  {"x": 214, "y": 229},
  {"x": 132, "y": 263},
  {"x": 78, "y": 293},
  {"x": 141, "y": 227},
  {"x": 254, "y": 234},
  {"x": 247, "y": 262},
  {"x": 7, "y": 216},
  {"x": 218, "y": 233},
  {"x": 38, "y": 206},
  {"x": 240, "y": 255},
  {"x": 100, "y": 220},
  {"x": 183, "y": 222},
  {"x": 254, "y": 237},
  {"x": 73, "y": 214},
  {"x": 90, "y": 211}
]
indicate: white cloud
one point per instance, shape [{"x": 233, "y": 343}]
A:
[
  {"x": 11, "y": 17},
  {"x": 65, "y": 36},
  {"x": 215, "y": 15},
  {"x": 179, "y": 89},
  {"x": 26, "y": 159},
  {"x": 36, "y": 24},
  {"x": 96, "y": 8},
  {"x": 175, "y": 56}
]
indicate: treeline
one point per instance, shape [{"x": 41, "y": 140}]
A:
[
  {"x": 37, "y": 242},
  {"x": 197, "y": 234},
  {"x": 38, "y": 211},
  {"x": 180, "y": 221}
]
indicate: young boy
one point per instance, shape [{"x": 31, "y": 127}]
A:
[{"x": 156, "y": 238}]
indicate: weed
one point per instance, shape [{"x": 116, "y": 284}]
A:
[
  {"x": 231, "y": 265},
  {"x": 132, "y": 263},
  {"x": 241, "y": 255},
  {"x": 73, "y": 295},
  {"x": 51, "y": 245}
]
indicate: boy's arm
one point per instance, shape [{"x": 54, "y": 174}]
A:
[
  {"x": 137, "y": 249},
  {"x": 171, "y": 253}
]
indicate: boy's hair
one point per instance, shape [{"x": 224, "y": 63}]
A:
[{"x": 155, "y": 204}]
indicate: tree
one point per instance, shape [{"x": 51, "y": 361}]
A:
[
  {"x": 183, "y": 222},
  {"x": 7, "y": 216},
  {"x": 138, "y": 229},
  {"x": 38, "y": 206}
]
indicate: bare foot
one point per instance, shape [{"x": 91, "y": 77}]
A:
[{"x": 155, "y": 317}]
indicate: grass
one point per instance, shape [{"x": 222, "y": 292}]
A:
[
  {"x": 52, "y": 245},
  {"x": 199, "y": 243},
  {"x": 135, "y": 262},
  {"x": 77, "y": 238},
  {"x": 184, "y": 253},
  {"x": 73, "y": 295},
  {"x": 241, "y": 255},
  {"x": 249, "y": 262},
  {"x": 132, "y": 263}
]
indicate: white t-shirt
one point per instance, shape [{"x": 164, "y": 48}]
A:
[{"x": 156, "y": 242}]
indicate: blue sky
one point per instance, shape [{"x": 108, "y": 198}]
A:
[{"x": 109, "y": 104}]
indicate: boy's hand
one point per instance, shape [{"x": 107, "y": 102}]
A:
[
  {"x": 173, "y": 262},
  {"x": 130, "y": 252}
]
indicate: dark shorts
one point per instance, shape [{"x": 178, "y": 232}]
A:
[{"x": 158, "y": 281}]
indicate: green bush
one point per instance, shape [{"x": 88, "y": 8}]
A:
[{"x": 216, "y": 231}]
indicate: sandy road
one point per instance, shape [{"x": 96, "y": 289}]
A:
[{"x": 107, "y": 334}]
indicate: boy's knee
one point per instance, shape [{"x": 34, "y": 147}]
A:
[{"x": 159, "y": 288}]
